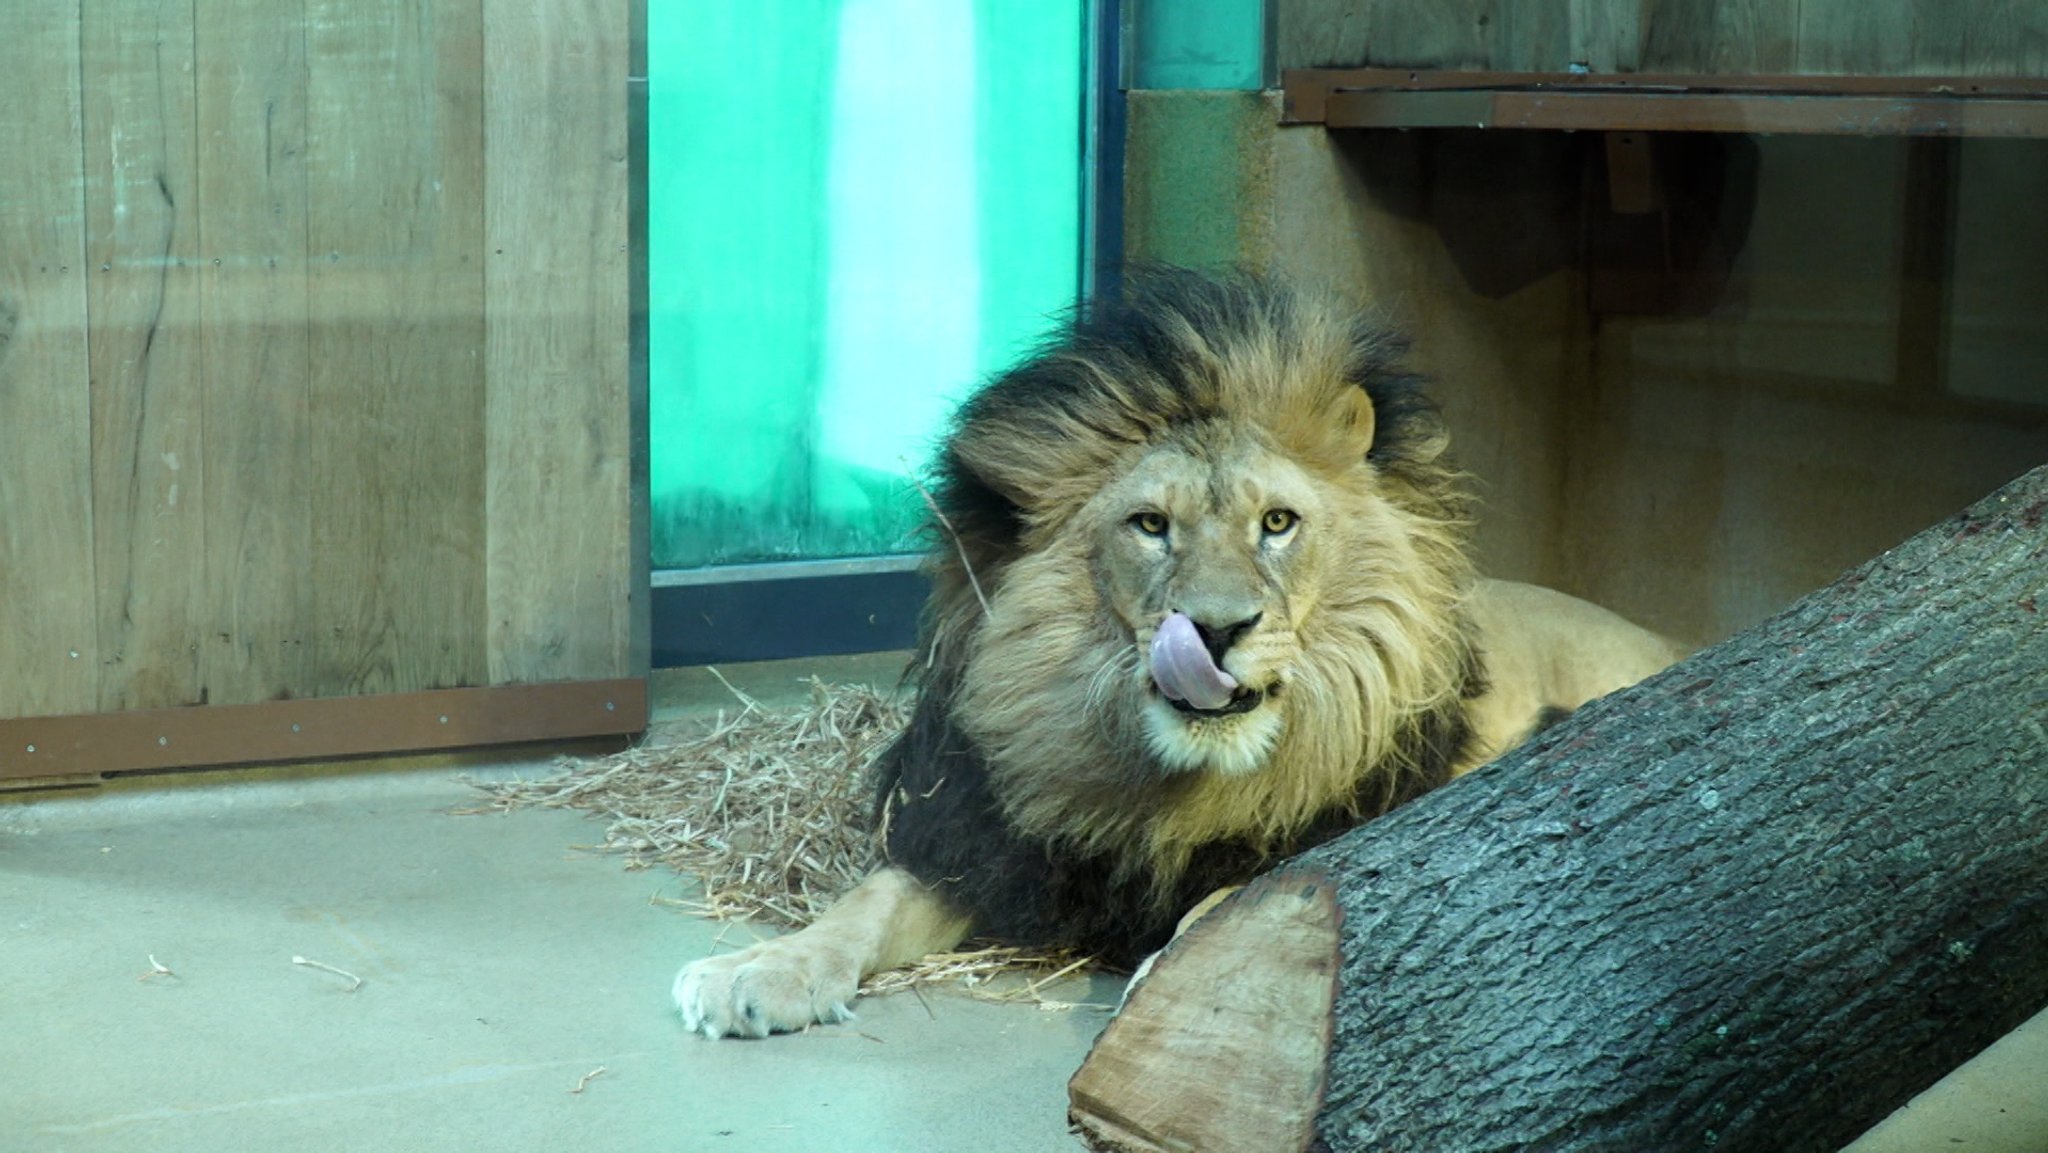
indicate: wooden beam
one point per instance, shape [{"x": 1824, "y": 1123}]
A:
[
  {"x": 1791, "y": 105},
  {"x": 202, "y": 736}
]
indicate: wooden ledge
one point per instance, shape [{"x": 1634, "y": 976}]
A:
[
  {"x": 34, "y": 748},
  {"x": 1791, "y": 105}
]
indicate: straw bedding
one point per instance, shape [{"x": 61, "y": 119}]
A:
[{"x": 771, "y": 809}]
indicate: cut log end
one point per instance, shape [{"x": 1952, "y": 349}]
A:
[{"x": 1223, "y": 1044}]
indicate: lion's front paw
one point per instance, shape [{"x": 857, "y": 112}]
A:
[{"x": 777, "y": 986}]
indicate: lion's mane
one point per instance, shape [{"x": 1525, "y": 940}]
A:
[{"x": 1042, "y": 813}]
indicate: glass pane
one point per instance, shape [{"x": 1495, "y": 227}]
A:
[
  {"x": 1215, "y": 44},
  {"x": 857, "y": 208}
]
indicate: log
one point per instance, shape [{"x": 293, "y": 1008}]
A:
[
  {"x": 1288, "y": 930},
  {"x": 1754, "y": 903}
]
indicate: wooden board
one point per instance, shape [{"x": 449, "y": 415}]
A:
[
  {"x": 1919, "y": 37},
  {"x": 251, "y": 97},
  {"x": 142, "y": 256},
  {"x": 37, "y": 750},
  {"x": 1677, "y": 102},
  {"x": 556, "y": 352},
  {"x": 49, "y": 658},
  {"x": 1849, "y": 37},
  {"x": 1689, "y": 112},
  {"x": 394, "y": 195},
  {"x": 249, "y": 447}
]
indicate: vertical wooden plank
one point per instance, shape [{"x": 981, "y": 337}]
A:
[
  {"x": 48, "y": 654},
  {"x": 1382, "y": 33},
  {"x": 559, "y": 428},
  {"x": 251, "y": 82},
  {"x": 1438, "y": 34},
  {"x": 141, "y": 213},
  {"x": 1856, "y": 37},
  {"x": 1981, "y": 38},
  {"x": 395, "y": 221},
  {"x": 1605, "y": 39},
  {"x": 1529, "y": 35},
  {"x": 1828, "y": 37},
  {"x": 1718, "y": 37},
  {"x": 1476, "y": 34}
]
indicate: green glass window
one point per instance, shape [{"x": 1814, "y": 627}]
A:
[{"x": 856, "y": 210}]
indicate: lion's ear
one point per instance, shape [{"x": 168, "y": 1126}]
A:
[
  {"x": 1353, "y": 422},
  {"x": 1334, "y": 434}
]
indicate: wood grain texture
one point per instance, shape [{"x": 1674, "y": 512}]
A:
[
  {"x": 48, "y": 652},
  {"x": 1635, "y": 111},
  {"x": 558, "y": 434},
  {"x": 1222, "y": 1045},
  {"x": 1856, "y": 36},
  {"x": 1601, "y": 36},
  {"x": 246, "y": 443},
  {"x": 73, "y": 748},
  {"x": 1426, "y": 33},
  {"x": 1754, "y": 903},
  {"x": 251, "y": 97},
  {"x": 1849, "y": 37},
  {"x": 395, "y": 221},
  {"x": 142, "y": 277},
  {"x": 1709, "y": 36},
  {"x": 1924, "y": 37}
]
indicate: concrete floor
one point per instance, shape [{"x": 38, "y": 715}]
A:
[{"x": 500, "y": 965}]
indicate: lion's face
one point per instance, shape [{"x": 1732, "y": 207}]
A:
[
  {"x": 1249, "y": 621},
  {"x": 1220, "y": 562},
  {"x": 1220, "y": 542}
]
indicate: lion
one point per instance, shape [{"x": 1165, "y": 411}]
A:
[{"x": 1202, "y": 599}]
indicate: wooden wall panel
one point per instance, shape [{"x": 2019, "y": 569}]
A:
[
  {"x": 395, "y": 221},
  {"x": 142, "y": 278},
  {"x": 1709, "y": 36},
  {"x": 556, "y": 251},
  {"x": 1924, "y": 37},
  {"x": 1471, "y": 34},
  {"x": 1869, "y": 36},
  {"x": 1598, "y": 36},
  {"x": 1728, "y": 37},
  {"x": 49, "y": 658},
  {"x": 314, "y": 369},
  {"x": 251, "y": 99}
]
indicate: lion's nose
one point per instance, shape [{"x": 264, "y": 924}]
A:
[{"x": 1218, "y": 638}]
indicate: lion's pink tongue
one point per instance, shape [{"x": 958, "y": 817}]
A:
[{"x": 1182, "y": 668}]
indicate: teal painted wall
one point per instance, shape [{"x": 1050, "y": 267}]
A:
[{"x": 856, "y": 210}]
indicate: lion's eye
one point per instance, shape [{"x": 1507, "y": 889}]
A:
[
  {"x": 1150, "y": 523},
  {"x": 1278, "y": 521}
]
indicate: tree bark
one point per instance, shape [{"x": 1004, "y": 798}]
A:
[{"x": 1754, "y": 903}]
